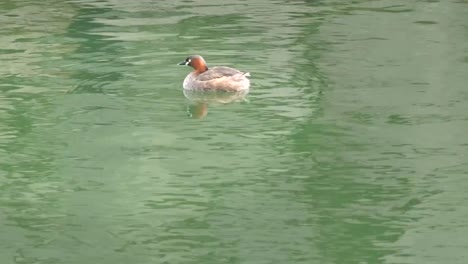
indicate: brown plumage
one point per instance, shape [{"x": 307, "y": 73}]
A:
[{"x": 216, "y": 78}]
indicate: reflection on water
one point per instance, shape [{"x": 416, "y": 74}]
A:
[
  {"x": 200, "y": 100},
  {"x": 351, "y": 148}
]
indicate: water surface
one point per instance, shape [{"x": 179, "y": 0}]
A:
[{"x": 350, "y": 148}]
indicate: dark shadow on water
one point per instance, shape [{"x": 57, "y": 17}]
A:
[{"x": 97, "y": 60}]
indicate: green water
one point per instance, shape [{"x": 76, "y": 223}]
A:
[{"x": 350, "y": 148}]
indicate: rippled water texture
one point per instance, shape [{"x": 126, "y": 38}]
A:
[{"x": 351, "y": 146}]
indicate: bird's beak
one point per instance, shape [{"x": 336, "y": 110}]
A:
[{"x": 183, "y": 63}]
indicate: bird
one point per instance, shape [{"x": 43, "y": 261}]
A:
[{"x": 219, "y": 78}]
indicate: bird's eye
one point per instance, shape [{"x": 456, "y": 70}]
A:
[{"x": 189, "y": 60}]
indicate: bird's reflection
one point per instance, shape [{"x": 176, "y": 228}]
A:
[{"x": 199, "y": 100}]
